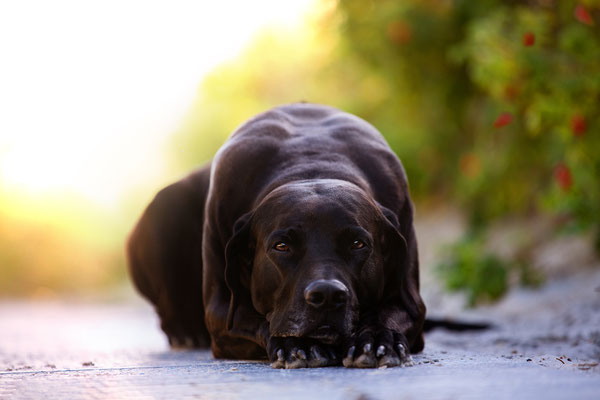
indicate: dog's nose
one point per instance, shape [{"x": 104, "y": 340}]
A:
[{"x": 326, "y": 293}]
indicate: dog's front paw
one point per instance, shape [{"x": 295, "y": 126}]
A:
[
  {"x": 293, "y": 352},
  {"x": 381, "y": 349}
]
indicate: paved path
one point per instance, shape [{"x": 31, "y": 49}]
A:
[{"x": 546, "y": 345}]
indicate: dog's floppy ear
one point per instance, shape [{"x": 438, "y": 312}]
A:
[
  {"x": 239, "y": 255},
  {"x": 401, "y": 263}
]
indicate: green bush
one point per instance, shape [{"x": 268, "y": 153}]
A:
[
  {"x": 469, "y": 267},
  {"x": 501, "y": 96},
  {"x": 502, "y": 100}
]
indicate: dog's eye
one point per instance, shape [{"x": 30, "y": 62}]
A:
[
  {"x": 357, "y": 245},
  {"x": 281, "y": 246}
]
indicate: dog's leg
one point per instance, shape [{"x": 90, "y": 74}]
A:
[
  {"x": 165, "y": 258},
  {"x": 384, "y": 338},
  {"x": 388, "y": 332}
]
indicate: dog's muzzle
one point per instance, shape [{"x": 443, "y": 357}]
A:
[{"x": 326, "y": 294}]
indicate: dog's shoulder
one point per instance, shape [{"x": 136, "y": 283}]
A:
[
  {"x": 304, "y": 141},
  {"x": 295, "y": 129}
]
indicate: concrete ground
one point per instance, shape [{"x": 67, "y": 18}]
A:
[{"x": 546, "y": 344}]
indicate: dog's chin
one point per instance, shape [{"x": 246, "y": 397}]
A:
[
  {"x": 327, "y": 329},
  {"x": 325, "y": 334}
]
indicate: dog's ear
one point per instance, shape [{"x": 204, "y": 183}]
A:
[
  {"x": 239, "y": 256},
  {"x": 401, "y": 262}
]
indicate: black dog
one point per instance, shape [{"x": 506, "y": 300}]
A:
[{"x": 295, "y": 244}]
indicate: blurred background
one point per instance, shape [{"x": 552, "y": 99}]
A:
[{"x": 491, "y": 105}]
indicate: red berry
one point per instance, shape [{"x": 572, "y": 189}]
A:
[
  {"x": 583, "y": 15},
  {"x": 528, "y": 39},
  {"x": 503, "y": 119},
  {"x": 578, "y": 125},
  {"x": 562, "y": 175}
]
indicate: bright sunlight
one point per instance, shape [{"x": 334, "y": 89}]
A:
[{"x": 90, "y": 90}]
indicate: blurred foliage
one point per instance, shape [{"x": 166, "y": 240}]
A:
[
  {"x": 505, "y": 101},
  {"x": 491, "y": 105},
  {"x": 466, "y": 63},
  {"x": 468, "y": 266},
  {"x": 58, "y": 246}
]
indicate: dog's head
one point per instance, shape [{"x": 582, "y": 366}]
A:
[{"x": 311, "y": 256}]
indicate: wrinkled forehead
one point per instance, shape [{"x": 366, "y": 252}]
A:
[{"x": 316, "y": 204}]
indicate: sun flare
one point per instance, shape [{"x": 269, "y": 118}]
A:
[{"x": 92, "y": 90}]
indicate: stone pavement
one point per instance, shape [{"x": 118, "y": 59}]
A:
[{"x": 546, "y": 344}]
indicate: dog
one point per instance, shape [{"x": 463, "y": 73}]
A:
[{"x": 295, "y": 244}]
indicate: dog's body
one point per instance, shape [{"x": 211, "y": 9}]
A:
[{"x": 295, "y": 244}]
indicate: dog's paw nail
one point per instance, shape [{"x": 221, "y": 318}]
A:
[
  {"x": 301, "y": 354},
  {"x": 351, "y": 351},
  {"x": 315, "y": 353},
  {"x": 349, "y": 359},
  {"x": 297, "y": 359},
  {"x": 294, "y": 353},
  {"x": 367, "y": 358},
  {"x": 401, "y": 350},
  {"x": 280, "y": 356},
  {"x": 405, "y": 358},
  {"x": 380, "y": 351},
  {"x": 317, "y": 359},
  {"x": 280, "y": 362}
]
